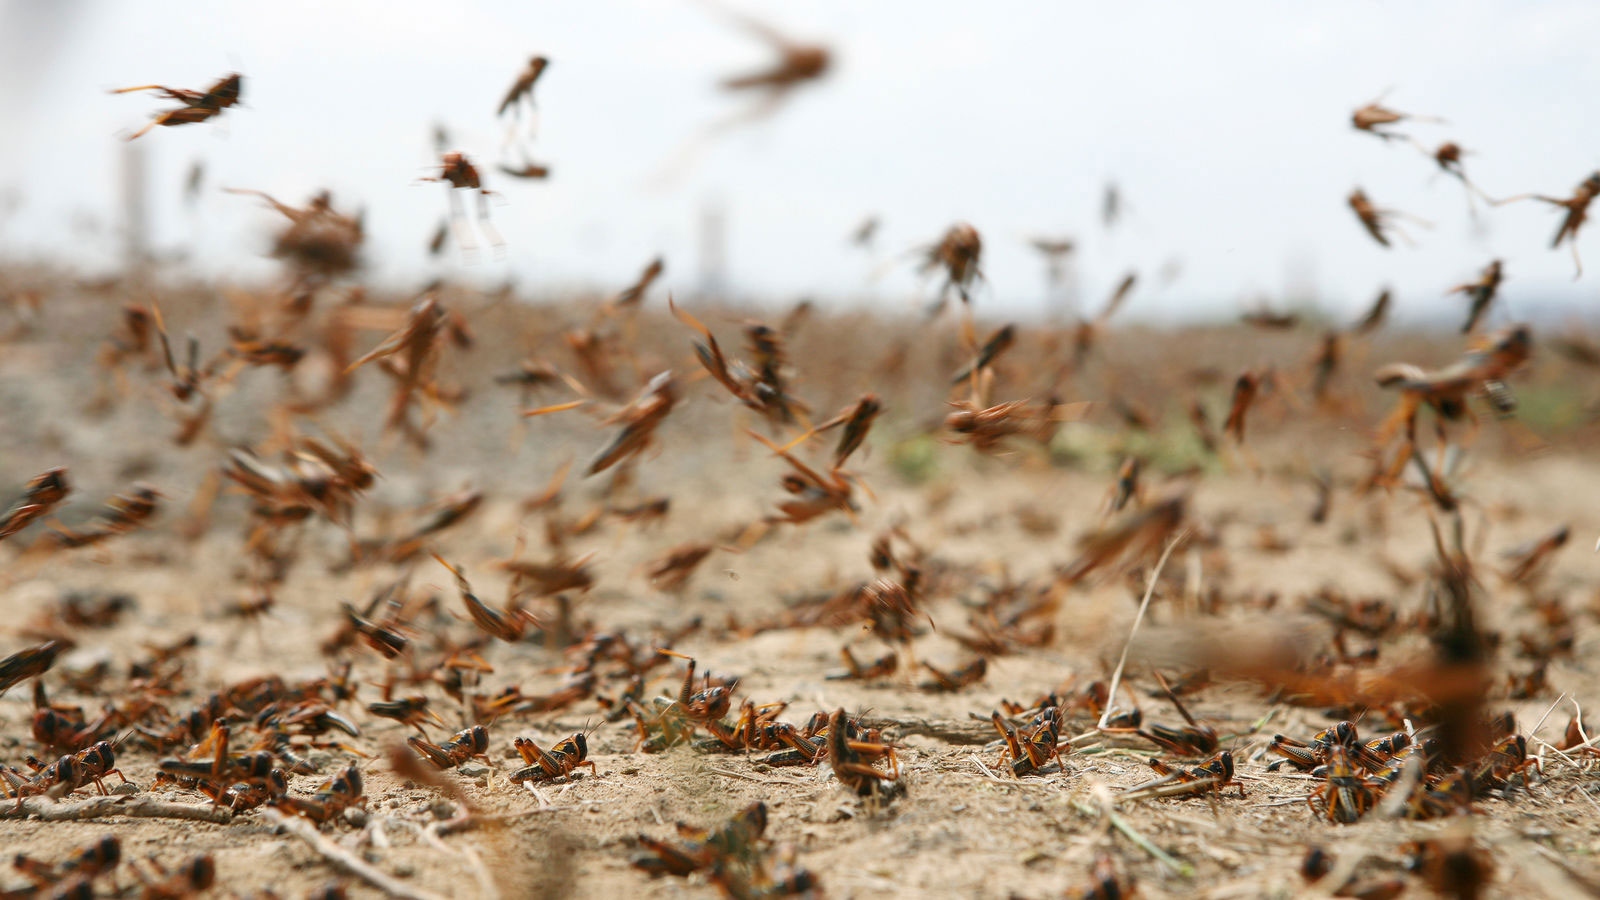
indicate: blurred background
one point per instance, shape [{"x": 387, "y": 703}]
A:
[{"x": 1224, "y": 126}]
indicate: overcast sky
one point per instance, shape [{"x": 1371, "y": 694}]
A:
[{"x": 1225, "y": 124}]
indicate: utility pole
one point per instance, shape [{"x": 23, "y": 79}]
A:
[
  {"x": 135, "y": 206},
  {"x": 713, "y": 251}
]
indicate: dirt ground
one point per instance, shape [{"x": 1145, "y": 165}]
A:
[{"x": 965, "y": 826}]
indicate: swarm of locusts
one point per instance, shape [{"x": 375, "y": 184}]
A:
[{"x": 400, "y": 642}]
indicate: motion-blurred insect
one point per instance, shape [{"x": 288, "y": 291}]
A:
[
  {"x": 467, "y": 744},
  {"x": 1136, "y": 535},
  {"x": 191, "y": 879},
  {"x": 1268, "y": 319},
  {"x": 319, "y": 242},
  {"x": 857, "y": 420},
  {"x": 459, "y": 173},
  {"x": 1577, "y": 207},
  {"x": 193, "y": 182},
  {"x": 797, "y": 64},
  {"x": 815, "y": 494},
  {"x": 997, "y": 344},
  {"x": 123, "y": 513},
  {"x": 882, "y": 667},
  {"x": 1447, "y": 156},
  {"x": 1106, "y": 883},
  {"x": 1244, "y": 393},
  {"x": 96, "y": 859},
  {"x": 1110, "y": 205},
  {"x": 1127, "y": 487},
  {"x": 1577, "y": 348},
  {"x": 43, "y": 493},
  {"x": 187, "y": 378},
  {"x": 416, "y": 344},
  {"x": 1088, "y": 331},
  {"x": 958, "y": 253},
  {"x": 671, "y": 571},
  {"x": 508, "y": 625},
  {"x": 1325, "y": 366},
  {"x": 865, "y": 232},
  {"x": 526, "y": 170},
  {"x": 954, "y": 680},
  {"x": 343, "y": 790},
  {"x": 987, "y": 429},
  {"x": 411, "y": 711},
  {"x": 522, "y": 88},
  {"x": 1482, "y": 293},
  {"x": 1193, "y": 739},
  {"x": 198, "y": 106},
  {"x": 1375, "y": 315},
  {"x": 1378, "y": 221},
  {"x": 440, "y": 233},
  {"x": 1318, "y": 863},
  {"x": 1202, "y": 425},
  {"x": 1372, "y": 118},
  {"x": 1529, "y": 560},
  {"x": 383, "y": 637},
  {"x": 1453, "y": 865},
  {"x": 27, "y": 663},
  {"x": 445, "y": 513},
  {"x": 702, "y": 848},
  {"x": 633, "y": 295},
  {"x": 1446, "y": 390},
  {"x": 761, "y": 387},
  {"x": 639, "y": 420},
  {"x": 1322, "y": 482}
]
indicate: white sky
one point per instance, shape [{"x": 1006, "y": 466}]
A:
[{"x": 1226, "y": 125}]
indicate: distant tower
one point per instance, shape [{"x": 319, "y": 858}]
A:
[
  {"x": 713, "y": 250},
  {"x": 1060, "y": 278},
  {"x": 1069, "y": 292},
  {"x": 135, "y": 205},
  {"x": 1300, "y": 279}
]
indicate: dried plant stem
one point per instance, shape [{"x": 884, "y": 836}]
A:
[
  {"x": 1149, "y": 590},
  {"x": 344, "y": 860},
  {"x": 1178, "y": 866},
  {"x": 48, "y": 810}
]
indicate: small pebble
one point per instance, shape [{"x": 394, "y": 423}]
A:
[
  {"x": 129, "y": 788},
  {"x": 473, "y": 770}
]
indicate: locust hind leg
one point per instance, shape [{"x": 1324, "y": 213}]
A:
[{"x": 534, "y": 756}]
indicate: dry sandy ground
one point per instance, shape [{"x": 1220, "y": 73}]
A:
[{"x": 957, "y": 831}]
